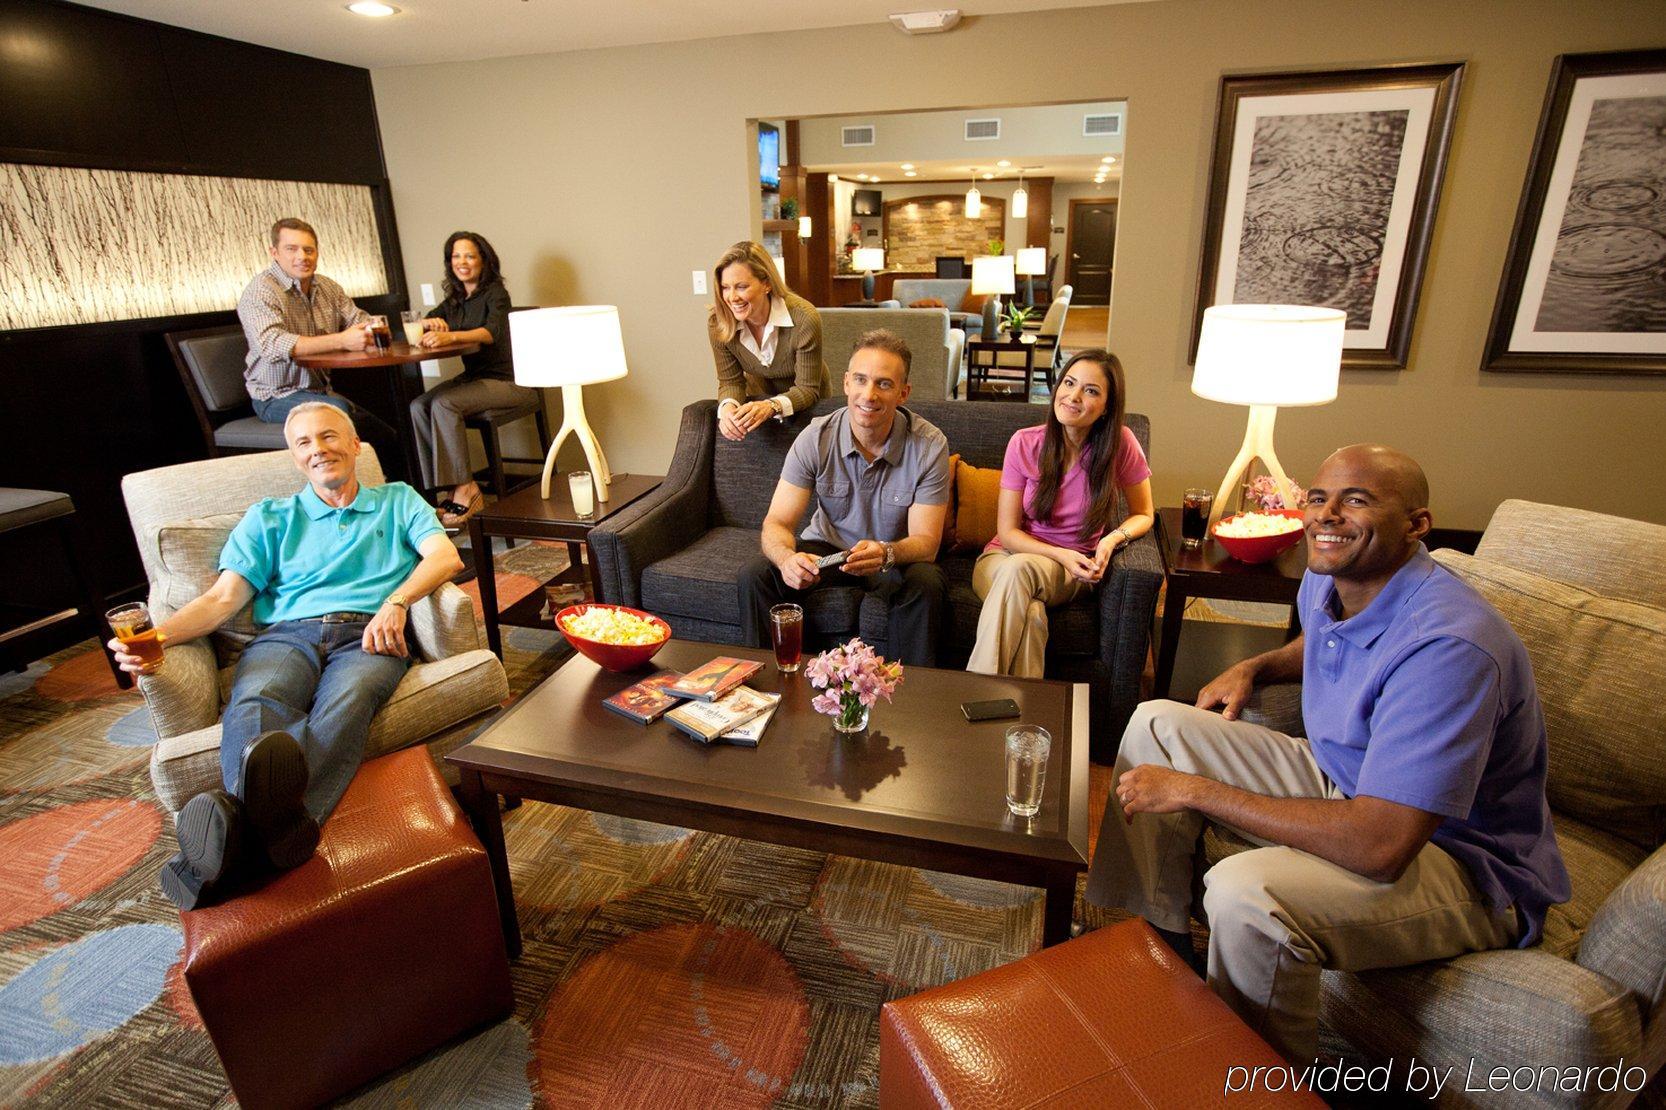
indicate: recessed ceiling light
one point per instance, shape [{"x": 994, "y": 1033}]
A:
[
  {"x": 908, "y": 165},
  {"x": 1108, "y": 159},
  {"x": 1003, "y": 163},
  {"x": 372, "y": 8},
  {"x": 989, "y": 177},
  {"x": 909, "y": 173},
  {"x": 873, "y": 181}
]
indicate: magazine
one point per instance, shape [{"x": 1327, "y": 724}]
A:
[
  {"x": 706, "y": 721},
  {"x": 712, "y": 680},
  {"x": 748, "y": 734},
  {"x": 646, "y": 700}
]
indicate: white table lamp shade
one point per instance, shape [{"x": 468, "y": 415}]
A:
[
  {"x": 993, "y": 273},
  {"x": 867, "y": 258},
  {"x": 575, "y": 345},
  {"x": 1267, "y": 354},
  {"x": 571, "y": 347},
  {"x": 1032, "y": 261}
]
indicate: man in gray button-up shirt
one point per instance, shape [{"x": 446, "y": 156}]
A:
[
  {"x": 881, "y": 479},
  {"x": 290, "y": 309}
]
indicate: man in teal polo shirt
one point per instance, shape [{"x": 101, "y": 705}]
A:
[{"x": 331, "y": 572}]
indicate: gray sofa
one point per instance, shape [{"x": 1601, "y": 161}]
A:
[
  {"x": 1593, "y": 991},
  {"x": 937, "y": 347},
  {"x": 951, "y": 291},
  {"x": 676, "y": 553}
]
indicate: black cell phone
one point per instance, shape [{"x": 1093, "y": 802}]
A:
[
  {"x": 837, "y": 559},
  {"x": 995, "y": 710}
]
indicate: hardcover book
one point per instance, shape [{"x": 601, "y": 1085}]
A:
[
  {"x": 706, "y": 721},
  {"x": 712, "y": 680},
  {"x": 647, "y": 700},
  {"x": 748, "y": 734}
]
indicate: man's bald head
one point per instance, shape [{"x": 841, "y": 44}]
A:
[{"x": 1396, "y": 472}]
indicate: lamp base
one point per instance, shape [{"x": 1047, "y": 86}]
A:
[
  {"x": 575, "y": 423},
  {"x": 1258, "y": 443},
  {"x": 867, "y": 285}
]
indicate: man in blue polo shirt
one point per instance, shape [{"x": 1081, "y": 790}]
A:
[
  {"x": 1410, "y": 825},
  {"x": 331, "y": 571}
]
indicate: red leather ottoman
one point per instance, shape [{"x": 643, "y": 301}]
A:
[
  {"x": 1109, "y": 1019},
  {"x": 382, "y": 946}
]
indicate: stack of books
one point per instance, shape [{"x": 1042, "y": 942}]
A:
[{"x": 709, "y": 703}]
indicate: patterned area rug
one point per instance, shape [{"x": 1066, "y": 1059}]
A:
[{"x": 663, "y": 966}]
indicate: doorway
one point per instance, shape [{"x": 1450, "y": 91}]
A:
[{"x": 1090, "y": 250}]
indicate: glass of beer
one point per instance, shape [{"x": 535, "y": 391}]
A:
[
  {"x": 1027, "y": 749},
  {"x": 786, "y": 635},
  {"x": 133, "y": 627},
  {"x": 380, "y": 335},
  {"x": 1194, "y": 517},
  {"x": 411, "y": 318}
]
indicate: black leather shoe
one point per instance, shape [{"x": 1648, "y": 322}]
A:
[
  {"x": 210, "y": 833},
  {"x": 274, "y": 786}
]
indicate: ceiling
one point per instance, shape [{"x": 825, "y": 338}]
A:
[
  {"x": 1062, "y": 168},
  {"x": 456, "y": 30}
]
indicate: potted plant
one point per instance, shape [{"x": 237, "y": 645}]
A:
[
  {"x": 997, "y": 246},
  {"x": 1013, "y": 321},
  {"x": 789, "y": 208}
]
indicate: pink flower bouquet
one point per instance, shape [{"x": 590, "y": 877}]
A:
[
  {"x": 852, "y": 678},
  {"x": 1263, "y": 493}
]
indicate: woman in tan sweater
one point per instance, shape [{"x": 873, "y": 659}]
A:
[{"x": 766, "y": 342}]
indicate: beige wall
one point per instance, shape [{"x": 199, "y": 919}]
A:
[{"x": 606, "y": 176}]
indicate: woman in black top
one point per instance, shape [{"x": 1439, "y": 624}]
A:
[{"x": 475, "y": 310}]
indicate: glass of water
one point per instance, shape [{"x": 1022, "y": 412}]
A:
[{"x": 1027, "y": 750}]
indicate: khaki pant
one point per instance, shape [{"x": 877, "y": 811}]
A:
[
  {"x": 1277, "y": 916},
  {"x": 1012, "y": 626}
]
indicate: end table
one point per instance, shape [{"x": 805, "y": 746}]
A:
[
  {"x": 527, "y": 515},
  {"x": 1208, "y": 571}
]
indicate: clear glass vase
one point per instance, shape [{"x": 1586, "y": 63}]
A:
[{"x": 852, "y": 717}]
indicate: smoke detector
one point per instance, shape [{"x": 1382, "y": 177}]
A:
[{"x": 926, "y": 23}]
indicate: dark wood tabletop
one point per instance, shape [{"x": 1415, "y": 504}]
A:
[
  {"x": 397, "y": 354},
  {"x": 922, "y": 787},
  {"x": 529, "y": 509}
]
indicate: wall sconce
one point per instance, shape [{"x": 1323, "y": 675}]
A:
[{"x": 804, "y": 227}]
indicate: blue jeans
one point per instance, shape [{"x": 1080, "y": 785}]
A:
[
  {"x": 371, "y": 427},
  {"x": 314, "y": 681}
]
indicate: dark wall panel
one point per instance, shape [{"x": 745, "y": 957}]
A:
[{"x": 81, "y": 406}]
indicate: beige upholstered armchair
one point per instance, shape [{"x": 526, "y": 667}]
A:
[
  {"x": 1587, "y": 594},
  {"x": 181, "y": 516}
]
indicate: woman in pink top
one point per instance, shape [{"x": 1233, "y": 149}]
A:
[{"x": 1058, "y": 498}]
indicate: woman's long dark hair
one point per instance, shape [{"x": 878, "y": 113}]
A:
[
  {"x": 489, "y": 271},
  {"x": 1099, "y": 450}
]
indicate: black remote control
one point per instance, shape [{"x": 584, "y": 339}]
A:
[{"x": 827, "y": 562}]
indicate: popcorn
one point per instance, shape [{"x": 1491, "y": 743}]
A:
[
  {"x": 613, "y": 626},
  {"x": 1247, "y": 525}
]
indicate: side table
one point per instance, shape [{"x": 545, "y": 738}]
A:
[
  {"x": 527, "y": 515},
  {"x": 983, "y": 357},
  {"x": 1209, "y": 571}
]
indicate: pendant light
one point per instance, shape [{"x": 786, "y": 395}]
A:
[
  {"x": 974, "y": 200},
  {"x": 1020, "y": 199}
]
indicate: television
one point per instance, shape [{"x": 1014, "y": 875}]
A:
[
  {"x": 867, "y": 202},
  {"x": 769, "y": 156}
]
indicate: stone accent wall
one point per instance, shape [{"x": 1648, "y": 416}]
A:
[{"x": 919, "y": 229}]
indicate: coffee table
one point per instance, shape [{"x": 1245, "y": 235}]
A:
[{"x": 921, "y": 788}]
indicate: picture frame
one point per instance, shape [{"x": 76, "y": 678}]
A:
[
  {"x": 1581, "y": 289},
  {"x": 1323, "y": 191}
]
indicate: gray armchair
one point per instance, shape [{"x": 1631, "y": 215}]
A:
[
  {"x": 181, "y": 517},
  {"x": 937, "y": 348},
  {"x": 676, "y": 553},
  {"x": 1594, "y": 991}
]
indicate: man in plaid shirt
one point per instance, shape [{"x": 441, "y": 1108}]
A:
[{"x": 290, "y": 309}]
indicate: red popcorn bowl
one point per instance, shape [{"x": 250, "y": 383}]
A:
[
  {"x": 1259, "y": 549},
  {"x": 613, "y": 657}
]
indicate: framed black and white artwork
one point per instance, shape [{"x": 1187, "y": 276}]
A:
[
  {"x": 1584, "y": 286},
  {"x": 1323, "y": 192}
]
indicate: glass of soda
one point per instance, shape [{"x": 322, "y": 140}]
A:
[
  {"x": 786, "y": 635},
  {"x": 132, "y": 625},
  {"x": 1194, "y": 517},
  {"x": 380, "y": 334},
  {"x": 1027, "y": 749}
]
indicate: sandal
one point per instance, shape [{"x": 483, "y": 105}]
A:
[{"x": 461, "y": 516}]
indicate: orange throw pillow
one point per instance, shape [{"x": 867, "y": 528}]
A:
[
  {"x": 973, "y": 302},
  {"x": 977, "y": 495},
  {"x": 926, "y": 302}
]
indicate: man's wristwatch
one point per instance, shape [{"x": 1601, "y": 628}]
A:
[
  {"x": 775, "y": 404},
  {"x": 398, "y": 599},
  {"x": 890, "y": 556}
]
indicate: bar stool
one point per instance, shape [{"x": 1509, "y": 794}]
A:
[{"x": 29, "y": 508}]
